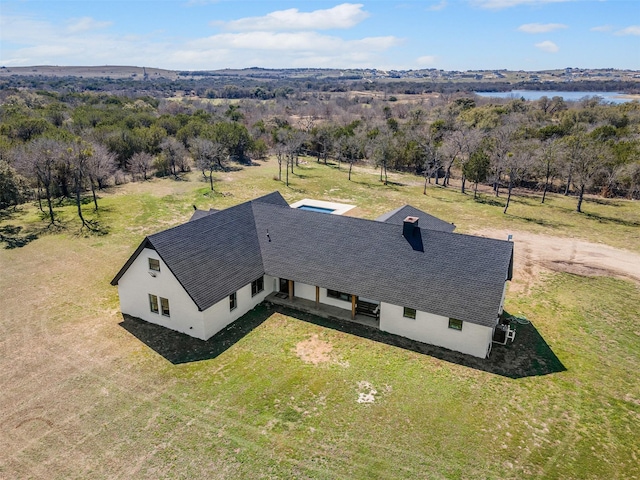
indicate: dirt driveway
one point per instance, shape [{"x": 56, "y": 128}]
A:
[{"x": 535, "y": 253}]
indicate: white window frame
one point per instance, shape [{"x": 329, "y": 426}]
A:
[
  {"x": 154, "y": 305},
  {"x": 168, "y": 314}
]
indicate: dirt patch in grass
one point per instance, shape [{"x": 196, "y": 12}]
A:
[
  {"x": 313, "y": 350},
  {"x": 535, "y": 254}
]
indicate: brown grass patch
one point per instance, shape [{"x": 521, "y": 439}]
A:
[{"x": 314, "y": 350}]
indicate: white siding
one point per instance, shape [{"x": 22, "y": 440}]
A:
[
  {"x": 135, "y": 286},
  {"x": 504, "y": 293},
  {"x": 434, "y": 329},
  {"x": 306, "y": 291},
  {"x": 334, "y": 301},
  {"x": 219, "y": 316}
]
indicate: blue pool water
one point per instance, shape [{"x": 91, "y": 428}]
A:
[{"x": 316, "y": 209}]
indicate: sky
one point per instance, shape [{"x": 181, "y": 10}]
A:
[{"x": 406, "y": 34}]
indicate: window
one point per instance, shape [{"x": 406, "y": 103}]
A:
[
  {"x": 257, "y": 286},
  {"x": 409, "y": 313},
  {"x": 233, "y": 301},
  {"x": 154, "y": 264},
  {"x": 455, "y": 324},
  {"x": 153, "y": 303},
  {"x": 164, "y": 304},
  {"x": 339, "y": 295}
]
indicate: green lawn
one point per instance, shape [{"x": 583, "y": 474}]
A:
[{"x": 84, "y": 398}]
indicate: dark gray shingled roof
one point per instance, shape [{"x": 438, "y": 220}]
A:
[
  {"x": 454, "y": 275},
  {"x": 212, "y": 256},
  {"x": 202, "y": 213},
  {"x": 427, "y": 221}
]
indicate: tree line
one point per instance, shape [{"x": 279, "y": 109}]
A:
[{"x": 70, "y": 145}]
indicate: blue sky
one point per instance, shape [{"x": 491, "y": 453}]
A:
[{"x": 406, "y": 34}]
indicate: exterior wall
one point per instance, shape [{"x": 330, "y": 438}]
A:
[
  {"x": 333, "y": 301},
  {"x": 135, "y": 286},
  {"x": 306, "y": 291},
  {"x": 434, "y": 329},
  {"x": 219, "y": 316},
  {"x": 504, "y": 293}
]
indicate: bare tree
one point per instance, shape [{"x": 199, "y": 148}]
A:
[
  {"x": 209, "y": 156},
  {"x": 457, "y": 147},
  {"x": 380, "y": 148},
  {"x": 348, "y": 150},
  {"x": 175, "y": 154},
  {"x": 39, "y": 160},
  {"x": 141, "y": 163},
  {"x": 501, "y": 140},
  {"x": 589, "y": 156},
  {"x": 548, "y": 162},
  {"x": 517, "y": 163},
  {"x": 77, "y": 154},
  {"x": 101, "y": 165}
]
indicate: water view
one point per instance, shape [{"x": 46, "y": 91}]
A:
[{"x": 613, "y": 97}]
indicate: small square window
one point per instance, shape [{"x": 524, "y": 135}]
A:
[
  {"x": 455, "y": 324},
  {"x": 153, "y": 303},
  {"x": 164, "y": 305},
  {"x": 233, "y": 301},
  {"x": 257, "y": 286},
  {"x": 409, "y": 313},
  {"x": 154, "y": 264}
]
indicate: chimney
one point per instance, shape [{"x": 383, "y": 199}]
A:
[
  {"x": 410, "y": 227},
  {"x": 411, "y": 233}
]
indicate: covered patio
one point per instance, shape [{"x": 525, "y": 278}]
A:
[{"x": 321, "y": 309}]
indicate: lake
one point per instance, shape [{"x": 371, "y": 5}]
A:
[{"x": 613, "y": 97}]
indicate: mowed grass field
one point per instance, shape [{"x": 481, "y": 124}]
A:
[{"x": 81, "y": 397}]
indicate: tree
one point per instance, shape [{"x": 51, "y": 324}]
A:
[
  {"x": 39, "y": 160},
  {"x": 380, "y": 148},
  {"x": 477, "y": 169},
  {"x": 209, "y": 156},
  {"x": 77, "y": 157},
  {"x": 234, "y": 137},
  {"x": 174, "y": 153},
  {"x": 547, "y": 161},
  {"x": 141, "y": 164},
  {"x": 517, "y": 163},
  {"x": 101, "y": 165},
  {"x": 348, "y": 150},
  {"x": 13, "y": 187},
  {"x": 589, "y": 156},
  {"x": 322, "y": 138},
  {"x": 501, "y": 140}
]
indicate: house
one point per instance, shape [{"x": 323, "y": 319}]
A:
[{"x": 423, "y": 281}]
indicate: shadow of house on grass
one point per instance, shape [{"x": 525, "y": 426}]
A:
[
  {"x": 529, "y": 355},
  {"x": 179, "y": 348}
]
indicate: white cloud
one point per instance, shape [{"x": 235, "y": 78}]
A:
[
  {"x": 500, "y": 4},
  {"x": 541, "y": 27},
  {"x": 631, "y": 30},
  {"x": 602, "y": 28},
  {"x": 341, "y": 16},
  {"x": 28, "y": 42},
  {"x": 547, "y": 46},
  {"x": 438, "y": 6},
  {"x": 85, "y": 24},
  {"x": 426, "y": 60}
]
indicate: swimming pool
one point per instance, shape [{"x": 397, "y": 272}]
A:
[
  {"x": 321, "y": 206},
  {"x": 311, "y": 208}
]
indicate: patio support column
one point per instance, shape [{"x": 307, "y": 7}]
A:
[
  {"x": 317, "y": 296},
  {"x": 353, "y": 307},
  {"x": 290, "y": 289}
]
